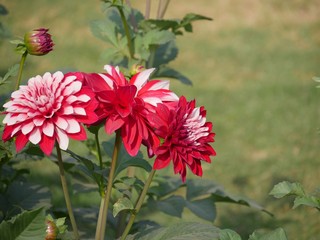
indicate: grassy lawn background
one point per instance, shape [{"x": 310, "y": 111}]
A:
[{"x": 252, "y": 68}]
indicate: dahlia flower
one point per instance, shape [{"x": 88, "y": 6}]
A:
[
  {"x": 125, "y": 104},
  {"x": 49, "y": 108},
  {"x": 38, "y": 42},
  {"x": 186, "y": 136}
]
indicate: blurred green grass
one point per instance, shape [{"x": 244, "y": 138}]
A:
[{"x": 252, "y": 68}]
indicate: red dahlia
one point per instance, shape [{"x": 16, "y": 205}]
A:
[
  {"x": 125, "y": 105},
  {"x": 186, "y": 136}
]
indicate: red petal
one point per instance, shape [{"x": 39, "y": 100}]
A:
[
  {"x": 21, "y": 141},
  {"x": 47, "y": 144},
  {"x": 113, "y": 123},
  {"x": 82, "y": 135}
]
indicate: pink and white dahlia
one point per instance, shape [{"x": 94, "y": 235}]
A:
[
  {"x": 51, "y": 107},
  {"x": 125, "y": 105},
  {"x": 186, "y": 136}
]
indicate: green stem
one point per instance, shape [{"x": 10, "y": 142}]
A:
[
  {"x": 138, "y": 205},
  {"x": 96, "y": 135},
  {"x": 23, "y": 59},
  {"x": 127, "y": 31},
  {"x": 66, "y": 194},
  {"x": 103, "y": 212}
]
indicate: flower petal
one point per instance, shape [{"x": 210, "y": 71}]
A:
[
  {"x": 62, "y": 139},
  {"x": 35, "y": 136}
]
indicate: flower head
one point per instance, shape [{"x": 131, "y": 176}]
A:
[
  {"x": 49, "y": 109},
  {"x": 125, "y": 105},
  {"x": 186, "y": 136},
  {"x": 38, "y": 42}
]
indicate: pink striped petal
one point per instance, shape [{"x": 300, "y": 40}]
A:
[
  {"x": 73, "y": 126},
  {"x": 35, "y": 136},
  {"x": 48, "y": 129},
  {"x": 27, "y": 128},
  {"x": 62, "y": 139},
  {"x": 61, "y": 123}
]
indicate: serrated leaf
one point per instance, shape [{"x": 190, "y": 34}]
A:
[
  {"x": 203, "y": 208},
  {"x": 228, "y": 234},
  {"x": 29, "y": 225},
  {"x": 122, "y": 204},
  {"x": 180, "y": 231},
  {"x": 278, "y": 234},
  {"x": 286, "y": 188},
  {"x": 167, "y": 72}
]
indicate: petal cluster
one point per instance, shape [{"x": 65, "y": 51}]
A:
[
  {"x": 49, "y": 109},
  {"x": 125, "y": 104},
  {"x": 186, "y": 136}
]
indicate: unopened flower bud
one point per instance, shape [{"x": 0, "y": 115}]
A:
[
  {"x": 52, "y": 230},
  {"x": 136, "y": 69},
  {"x": 38, "y": 42}
]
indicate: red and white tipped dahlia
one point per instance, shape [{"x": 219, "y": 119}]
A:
[
  {"x": 125, "y": 104},
  {"x": 186, "y": 136},
  {"x": 51, "y": 107}
]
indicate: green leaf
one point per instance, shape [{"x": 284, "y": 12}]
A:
[
  {"x": 24, "y": 196},
  {"x": 166, "y": 185},
  {"x": 29, "y": 225},
  {"x": 105, "y": 30},
  {"x": 203, "y": 208},
  {"x": 3, "y": 10},
  {"x": 197, "y": 188},
  {"x": 180, "y": 231},
  {"x": 132, "y": 162},
  {"x": 189, "y": 18},
  {"x": 310, "y": 201},
  {"x": 278, "y": 234},
  {"x": 12, "y": 72},
  {"x": 228, "y": 234},
  {"x": 167, "y": 72},
  {"x": 201, "y": 187},
  {"x": 165, "y": 53},
  {"x": 144, "y": 42},
  {"x": 122, "y": 204},
  {"x": 172, "y": 205},
  {"x": 286, "y": 188}
]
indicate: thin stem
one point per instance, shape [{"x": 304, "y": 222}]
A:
[
  {"x": 138, "y": 205},
  {"x": 23, "y": 59},
  {"x": 103, "y": 212},
  {"x": 96, "y": 135},
  {"x": 164, "y": 9},
  {"x": 66, "y": 194},
  {"x": 148, "y": 7},
  {"x": 127, "y": 31},
  {"x": 159, "y": 9}
]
